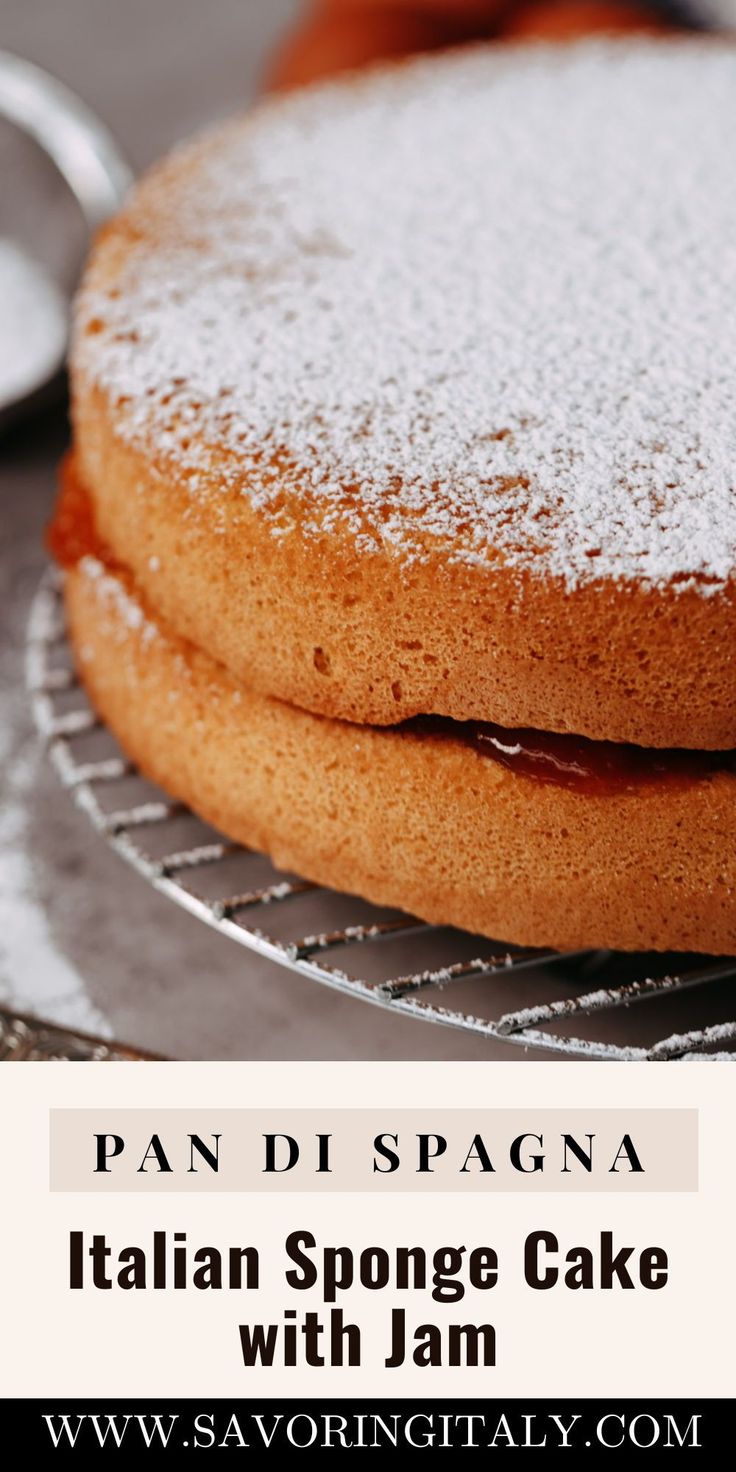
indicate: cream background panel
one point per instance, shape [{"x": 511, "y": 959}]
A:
[{"x": 673, "y": 1342}]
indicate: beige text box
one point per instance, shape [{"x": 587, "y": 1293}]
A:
[{"x": 378, "y": 1150}]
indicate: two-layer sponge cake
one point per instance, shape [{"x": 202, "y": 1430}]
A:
[{"x": 400, "y": 526}]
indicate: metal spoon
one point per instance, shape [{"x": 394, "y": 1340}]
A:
[{"x": 33, "y": 311}]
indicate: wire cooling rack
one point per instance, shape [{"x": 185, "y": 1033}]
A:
[
  {"x": 579, "y": 1004},
  {"x": 25, "y": 1039}
]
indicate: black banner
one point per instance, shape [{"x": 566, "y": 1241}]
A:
[{"x": 155, "y": 1427}]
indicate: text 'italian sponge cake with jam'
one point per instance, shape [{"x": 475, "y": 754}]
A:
[{"x": 399, "y": 530}]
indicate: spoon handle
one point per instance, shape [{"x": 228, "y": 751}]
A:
[{"x": 69, "y": 132}]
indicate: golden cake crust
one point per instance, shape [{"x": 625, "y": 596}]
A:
[
  {"x": 315, "y": 623},
  {"x": 418, "y": 822},
  {"x": 374, "y": 599}
]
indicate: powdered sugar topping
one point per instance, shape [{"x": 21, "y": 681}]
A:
[
  {"x": 487, "y": 301},
  {"x": 111, "y": 591}
]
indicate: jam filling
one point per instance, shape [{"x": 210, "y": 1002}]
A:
[
  {"x": 72, "y": 534},
  {"x": 598, "y": 768},
  {"x": 594, "y": 767}
]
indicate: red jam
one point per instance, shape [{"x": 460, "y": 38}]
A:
[
  {"x": 72, "y": 534},
  {"x": 594, "y": 767}
]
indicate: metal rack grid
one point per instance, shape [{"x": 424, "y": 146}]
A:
[
  {"x": 25, "y": 1039},
  {"x": 384, "y": 957}
]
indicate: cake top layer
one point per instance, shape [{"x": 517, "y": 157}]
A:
[{"x": 485, "y": 302}]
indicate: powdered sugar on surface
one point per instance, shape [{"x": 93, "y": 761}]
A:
[
  {"x": 33, "y": 324},
  {"x": 111, "y": 590},
  {"x": 487, "y": 301}
]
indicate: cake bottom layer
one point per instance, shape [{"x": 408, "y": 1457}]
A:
[{"x": 408, "y": 817}]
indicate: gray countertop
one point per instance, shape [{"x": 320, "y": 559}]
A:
[{"x": 83, "y": 939}]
